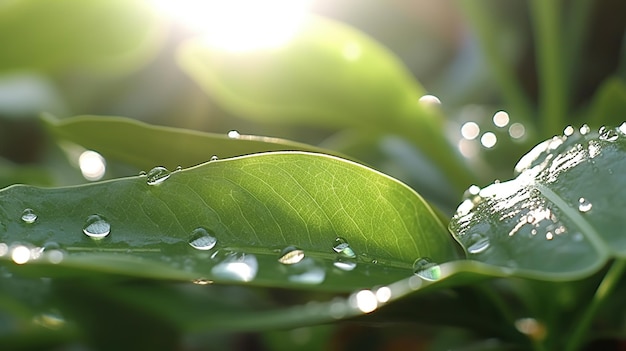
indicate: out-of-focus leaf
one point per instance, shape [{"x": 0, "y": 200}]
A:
[
  {"x": 229, "y": 220},
  {"x": 562, "y": 217},
  {"x": 145, "y": 146},
  {"x": 609, "y": 103},
  {"x": 329, "y": 75},
  {"x": 51, "y": 35},
  {"x": 11, "y": 173}
]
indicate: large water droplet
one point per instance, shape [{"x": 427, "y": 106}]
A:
[
  {"x": 426, "y": 269},
  {"x": 584, "y": 205},
  {"x": 240, "y": 267},
  {"x": 233, "y": 134},
  {"x": 29, "y": 216},
  {"x": 201, "y": 239},
  {"x": 478, "y": 243},
  {"x": 96, "y": 227},
  {"x": 584, "y": 129},
  {"x": 157, "y": 175},
  {"x": 607, "y": 134},
  {"x": 291, "y": 255},
  {"x": 342, "y": 247}
]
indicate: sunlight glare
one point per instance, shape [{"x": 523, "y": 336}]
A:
[
  {"x": 239, "y": 25},
  {"x": 92, "y": 165}
]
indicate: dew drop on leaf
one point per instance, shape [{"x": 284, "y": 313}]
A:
[
  {"x": 426, "y": 269},
  {"x": 233, "y": 134},
  {"x": 237, "y": 266},
  {"x": 157, "y": 175},
  {"x": 96, "y": 227},
  {"x": 214, "y": 158},
  {"x": 479, "y": 243},
  {"x": 568, "y": 131},
  {"x": 584, "y": 205},
  {"x": 29, "y": 216},
  {"x": 200, "y": 239},
  {"x": 584, "y": 129},
  {"x": 607, "y": 134},
  {"x": 342, "y": 247},
  {"x": 142, "y": 173},
  {"x": 291, "y": 255}
]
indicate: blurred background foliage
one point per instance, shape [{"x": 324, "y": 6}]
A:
[
  {"x": 547, "y": 64},
  {"x": 119, "y": 58}
]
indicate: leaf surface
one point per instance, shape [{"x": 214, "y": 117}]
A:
[
  {"x": 562, "y": 217},
  {"x": 252, "y": 207}
]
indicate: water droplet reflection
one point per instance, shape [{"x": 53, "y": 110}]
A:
[
  {"x": 233, "y": 134},
  {"x": 29, "y": 216},
  {"x": 291, "y": 255},
  {"x": 429, "y": 100},
  {"x": 479, "y": 243},
  {"x": 237, "y": 266},
  {"x": 308, "y": 271},
  {"x": 584, "y": 129},
  {"x": 584, "y": 205},
  {"x": 342, "y": 247}
]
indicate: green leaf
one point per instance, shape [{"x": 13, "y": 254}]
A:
[
  {"x": 253, "y": 206},
  {"x": 152, "y": 145},
  {"x": 329, "y": 75},
  {"x": 61, "y": 34},
  {"x": 561, "y": 218}
]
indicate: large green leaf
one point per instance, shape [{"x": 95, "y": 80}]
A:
[
  {"x": 158, "y": 145},
  {"x": 61, "y": 34},
  {"x": 562, "y": 217},
  {"x": 253, "y": 206},
  {"x": 329, "y": 75}
]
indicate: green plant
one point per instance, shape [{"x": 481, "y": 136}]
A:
[{"x": 294, "y": 240}]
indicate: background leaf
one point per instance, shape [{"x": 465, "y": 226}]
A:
[{"x": 158, "y": 145}]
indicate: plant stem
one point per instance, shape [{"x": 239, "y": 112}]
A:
[
  {"x": 610, "y": 280},
  {"x": 550, "y": 64},
  {"x": 477, "y": 13}
]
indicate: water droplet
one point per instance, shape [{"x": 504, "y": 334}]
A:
[
  {"x": 622, "y": 128},
  {"x": 584, "y": 205},
  {"x": 214, "y": 158},
  {"x": 607, "y": 134},
  {"x": 478, "y": 244},
  {"x": 237, "y": 266},
  {"x": 568, "y": 131},
  {"x": 345, "y": 264},
  {"x": 533, "y": 231},
  {"x": 584, "y": 129},
  {"x": 426, "y": 269},
  {"x": 342, "y": 247},
  {"x": 96, "y": 227},
  {"x": 29, "y": 216},
  {"x": 233, "y": 134},
  {"x": 291, "y": 255},
  {"x": 157, "y": 175},
  {"x": 178, "y": 168},
  {"x": 201, "y": 239},
  {"x": 308, "y": 271},
  {"x": 142, "y": 173}
]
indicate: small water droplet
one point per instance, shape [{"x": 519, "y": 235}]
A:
[
  {"x": 344, "y": 264},
  {"x": 29, "y": 216},
  {"x": 202, "y": 281},
  {"x": 584, "y": 205},
  {"x": 214, "y": 158},
  {"x": 568, "y": 131},
  {"x": 96, "y": 227},
  {"x": 607, "y": 134},
  {"x": 233, "y": 134},
  {"x": 237, "y": 266},
  {"x": 142, "y": 173},
  {"x": 291, "y": 255},
  {"x": 157, "y": 175},
  {"x": 342, "y": 247},
  {"x": 584, "y": 129},
  {"x": 478, "y": 243},
  {"x": 178, "y": 168},
  {"x": 533, "y": 231},
  {"x": 200, "y": 239},
  {"x": 549, "y": 236},
  {"x": 426, "y": 269}
]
